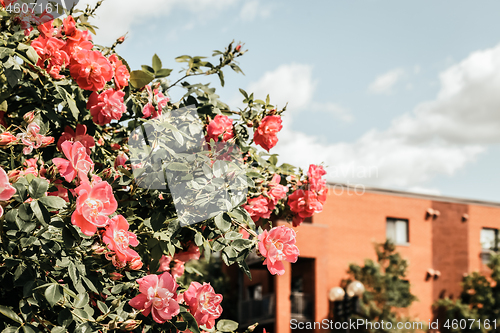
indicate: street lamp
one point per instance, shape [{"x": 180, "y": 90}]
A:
[{"x": 345, "y": 302}]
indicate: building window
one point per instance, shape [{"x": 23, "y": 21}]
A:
[
  {"x": 397, "y": 231},
  {"x": 489, "y": 242}
]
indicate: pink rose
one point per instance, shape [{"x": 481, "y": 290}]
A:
[
  {"x": 193, "y": 252},
  {"x": 6, "y": 190},
  {"x": 94, "y": 204},
  {"x": 81, "y": 136},
  {"x": 204, "y": 303},
  {"x": 106, "y": 106},
  {"x": 265, "y": 135},
  {"x": 121, "y": 159},
  {"x": 314, "y": 176},
  {"x": 121, "y": 72},
  {"x": 259, "y": 207},
  {"x": 277, "y": 191},
  {"x": 158, "y": 296},
  {"x": 277, "y": 245},
  {"x": 220, "y": 126},
  {"x": 135, "y": 263},
  {"x": 52, "y": 55},
  {"x": 32, "y": 139},
  {"x": 175, "y": 267},
  {"x": 91, "y": 70},
  {"x": 118, "y": 238},
  {"x": 304, "y": 204},
  {"x": 77, "y": 162}
]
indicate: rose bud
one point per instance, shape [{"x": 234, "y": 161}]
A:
[
  {"x": 29, "y": 117},
  {"x": 237, "y": 48},
  {"x": 6, "y": 138},
  {"x": 115, "y": 276},
  {"x": 131, "y": 324}
]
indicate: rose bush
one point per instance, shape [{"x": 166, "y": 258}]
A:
[{"x": 84, "y": 247}]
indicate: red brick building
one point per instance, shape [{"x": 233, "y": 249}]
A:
[{"x": 440, "y": 233}]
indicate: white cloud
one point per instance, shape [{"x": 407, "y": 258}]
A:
[
  {"x": 116, "y": 17},
  {"x": 253, "y": 9},
  {"x": 384, "y": 83},
  {"x": 294, "y": 84},
  {"x": 439, "y": 137},
  {"x": 296, "y": 78}
]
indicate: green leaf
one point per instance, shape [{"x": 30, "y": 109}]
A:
[
  {"x": 226, "y": 325},
  {"x": 156, "y": 63},
  {"x": 164, "y": 72},
  {"x": 29, "y": 329},
  {"x": 38, "y": 187},
  {"x": 140, "y": 78},
  {"x": 177, "y": 166},
  {"x": 32, "y": 55},
  {"x": 191, "y": 322},
  {"x": 9, "y": 313},
  {"x": 148, "y": 69},
  {"x": 53, "y": 202},
  {"x": 102, "y": 306},
  {"x": 223, "y": 222},
  {"x": 242, "y": 244},
  {"x": 81, "y": 300},
  {"x": 73, "y": 274},
  {"x": 41, "y": 213},
  {"x": 53, "y": 294}
]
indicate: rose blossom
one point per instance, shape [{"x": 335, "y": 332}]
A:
[
  {"x": 91, "y": 70},
  {"x": 52, "y": 55},
  {"x": 277, "y": 191},
  {"x": 304, "y": 204},
  {"x": 135, "y": 263},
  {"x": 6, "y": 190},
  {"x": 118, "y": 238},
  {"x": 314, "y": 176},
  {"x": 259, "y": 207},
  {"x": 94, "y": 204},
  {"x": 177, "y": 268},
  {"x": 265, "y": 135},
  {"x": 158, "y": 296},
  {"x": 204, "y": 303},
  {"x": 32, "y": 139},
  {"x": 121, "y": 159},
  {"x": 192, "y": 253},
  {"x": 106, "y": 106},
  {"x": 121, "y": 72},
  {"x": 81, "y": 136},
  {"x": 220, "y": 125},
  {"x": 77, "y": 162},
  {"x": 277, "y": 245}
]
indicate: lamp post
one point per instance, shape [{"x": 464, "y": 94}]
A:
[{"x": 345, "y": 302}]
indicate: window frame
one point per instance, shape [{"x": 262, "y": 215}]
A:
[{"x": 394, "y": 220}]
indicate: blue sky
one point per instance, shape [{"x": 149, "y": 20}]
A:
[{"x": 393, "y": 94}]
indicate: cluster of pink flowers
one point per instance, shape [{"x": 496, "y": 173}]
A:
[
  {"x": 68, "y": 47},
  {"x": 276, "y": 246},
  {"x": 305, "y": 203},
  {"x": 156, "y": 103},
  {"x": 220, "y": 126},
  {"x": 158, "y": 297},
  {"x": 266, "y": 134},
  {"x": 6, "y": 190},
  {"x": 262, "y": 206}
]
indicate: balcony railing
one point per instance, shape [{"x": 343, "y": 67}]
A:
[
  {"x": 257, "y": 310},
  {"x": 302, "y": 306}
]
